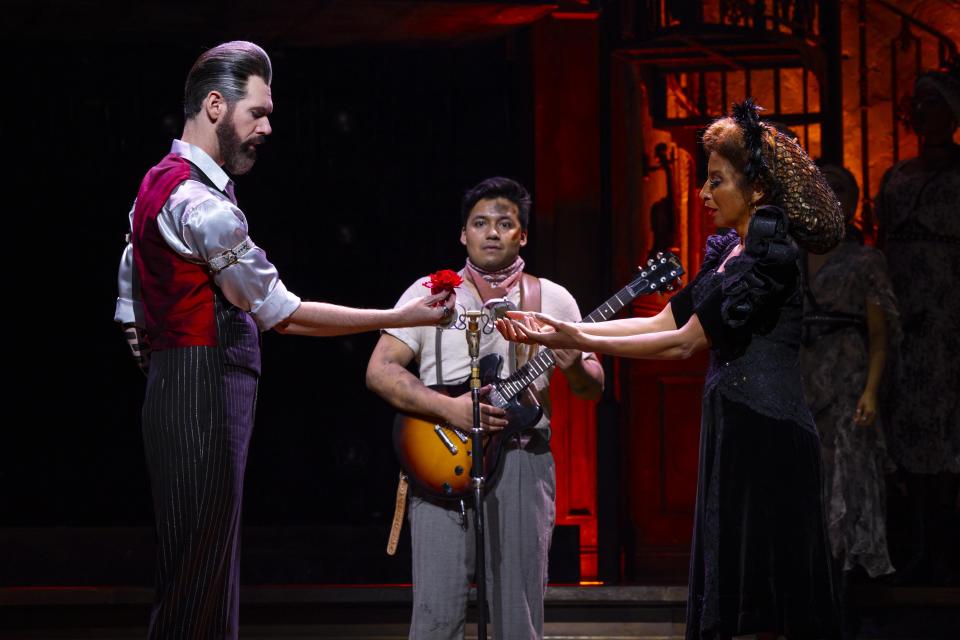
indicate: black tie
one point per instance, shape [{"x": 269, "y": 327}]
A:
[{"x": 231, "y": 192}]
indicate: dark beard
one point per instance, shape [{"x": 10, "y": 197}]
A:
[{"x": 238, "y": 156}]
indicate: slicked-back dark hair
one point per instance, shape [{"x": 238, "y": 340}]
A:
[
  {"x": 498, "y": 187},
  {"x": 225, "y": 68}
]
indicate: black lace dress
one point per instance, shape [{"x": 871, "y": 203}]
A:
[{"x": 760, "y": 560}]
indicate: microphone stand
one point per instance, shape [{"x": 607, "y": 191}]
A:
[{"x": 476, "y": 471}]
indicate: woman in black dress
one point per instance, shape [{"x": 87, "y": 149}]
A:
[{"x": 760, "y": 562}]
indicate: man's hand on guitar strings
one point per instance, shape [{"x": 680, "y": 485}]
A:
[
  {"x": 567, "y": 358},
  {"x": 459, "y": 413}
]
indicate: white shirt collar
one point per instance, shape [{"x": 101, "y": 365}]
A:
[{"x": 203, "y": 161}]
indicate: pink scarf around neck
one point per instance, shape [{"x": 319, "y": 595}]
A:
[{"x": 495, "y": 284}]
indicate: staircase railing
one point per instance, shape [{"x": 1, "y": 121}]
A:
[{"x": 647, "y": 18}]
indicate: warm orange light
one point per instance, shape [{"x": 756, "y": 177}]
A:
[{"x": 591, "y": 583}]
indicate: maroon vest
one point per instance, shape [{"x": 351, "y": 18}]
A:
[{"x": 177, "y": 295}]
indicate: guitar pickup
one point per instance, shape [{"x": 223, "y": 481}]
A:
[{"x": 447, "y": 442}]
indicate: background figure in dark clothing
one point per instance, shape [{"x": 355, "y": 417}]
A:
[
  {"x": 917, "y": 210},
  {"x": 850, "y": 322},
  {"x": 197, "y": 291}
]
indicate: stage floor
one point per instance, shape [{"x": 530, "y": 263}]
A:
[{"x": 381, "y": 612}]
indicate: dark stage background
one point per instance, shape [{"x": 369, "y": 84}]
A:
[{"x": 356, "y": 194}]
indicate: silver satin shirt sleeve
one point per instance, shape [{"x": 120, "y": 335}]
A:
[
  {"x": 200, "y": 224},
  {"x": 129, "y": 309}
]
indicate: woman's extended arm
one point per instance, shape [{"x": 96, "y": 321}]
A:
[
  {"x": 663, "y": 321},
  {"x": 670, "y": 344}
]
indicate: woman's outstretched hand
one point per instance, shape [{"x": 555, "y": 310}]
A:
[{"x": 538, "y": 328}]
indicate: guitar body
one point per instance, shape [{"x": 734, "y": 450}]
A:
[{"x": 438, "y": 459}]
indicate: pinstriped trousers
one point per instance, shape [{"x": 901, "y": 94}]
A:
[{"x": 197, "y": 420}]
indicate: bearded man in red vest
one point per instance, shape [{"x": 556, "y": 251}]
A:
[{"x": 195, "y": 293}]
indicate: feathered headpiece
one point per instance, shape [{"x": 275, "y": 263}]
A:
[{"x": 747, "y": 116}]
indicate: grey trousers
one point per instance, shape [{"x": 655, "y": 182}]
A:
[{"x": 520, "y": 514}]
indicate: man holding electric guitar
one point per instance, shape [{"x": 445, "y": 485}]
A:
[{"x": 519, "y": 500}]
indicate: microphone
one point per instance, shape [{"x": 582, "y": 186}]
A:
[
  {"x": 499, "y": 307},
  {"x": 473, "y": 335}
]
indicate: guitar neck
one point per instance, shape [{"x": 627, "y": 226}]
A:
[
  {"x": 612, "y": 306},
  {"x": 523, "y": 377}
]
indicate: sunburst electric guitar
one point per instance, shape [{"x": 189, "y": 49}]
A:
[{"x": 437, "y": 458}]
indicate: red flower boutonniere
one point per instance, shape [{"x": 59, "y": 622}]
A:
[{"x": 443, "y": 280}]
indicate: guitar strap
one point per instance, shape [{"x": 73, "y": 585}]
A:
[
  {"x": 398, "y": 512},
  {"x": 530, "y": 300},
  {"x": 530, "y": 293}
]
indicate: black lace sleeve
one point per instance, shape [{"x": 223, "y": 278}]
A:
[
  {"x": 765, "y": 274},
  {"x": 683, "y": 303}
]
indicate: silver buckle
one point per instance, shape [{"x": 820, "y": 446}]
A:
[{"x": 230, "y": 256}]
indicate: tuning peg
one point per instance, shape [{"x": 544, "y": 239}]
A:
[
  {"x": 643, "y": 274},
  {"x": 670, "y": 287},
  {"x": 663, "y": 279},
  {"x": 649, "y": 262},
  {"x": 659, "y": 254},
  {"x": 673, "y": 273},
  {"x": 663, "y": 261}
]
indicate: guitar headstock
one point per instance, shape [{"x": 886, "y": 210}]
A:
[{"x": 661, "y": 273}]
